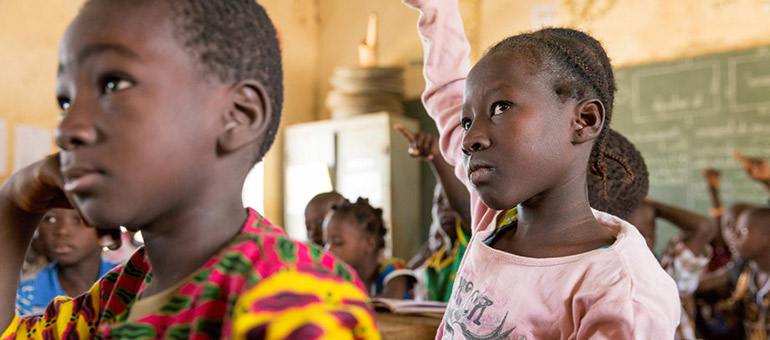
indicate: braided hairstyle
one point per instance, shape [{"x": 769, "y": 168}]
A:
[
  {"x": 578, "y": 68},
  {"x": 368, "y": 217},
  {"x": 626, "y": 181}
]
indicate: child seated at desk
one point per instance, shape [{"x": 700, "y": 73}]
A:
[{"x": 355, "y": 232}]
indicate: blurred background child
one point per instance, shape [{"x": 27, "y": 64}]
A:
[
  {"x": 752, "y": 244},
  {"x": 439, "y": 258},
  {"x": 355, "y": 233},
  {"x": 316, "y": 211},
  {"x": 76, "y": 263}
]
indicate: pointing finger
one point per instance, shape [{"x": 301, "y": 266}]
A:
[{"x": 404, "y": 131}]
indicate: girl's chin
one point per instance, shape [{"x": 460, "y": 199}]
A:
[{"x": 497, "y": 204}]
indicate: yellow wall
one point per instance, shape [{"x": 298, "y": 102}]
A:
[
  {"x": 640, "y": 32},
  {"x": 29, "y": 36},
  {"x": 319, "y": 35}
]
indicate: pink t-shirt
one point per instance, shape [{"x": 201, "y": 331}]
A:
[{"x": 620, "y": 292}]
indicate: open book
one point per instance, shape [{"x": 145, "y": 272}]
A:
[{"x": 429, "y": 308}]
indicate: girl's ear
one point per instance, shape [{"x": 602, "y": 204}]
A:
[
  {"x": 588, "y": 121},
  {"x": 371, "y": 243},
  {"x": 248, "y": 117}
]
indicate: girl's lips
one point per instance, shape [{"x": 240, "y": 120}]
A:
[
  {"x": 62, "y": 248},
  {"x": 78, "y": 181},
  {"x": 480, "y": 174}
]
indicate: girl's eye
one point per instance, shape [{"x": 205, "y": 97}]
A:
[
  {"x": 50, "y": 219},
  {"x": 64, "y": 103},
  {"x": 498, "y": 108},
  {"x": 465, "y": 123},
  {"x": 111, "y": 84}
]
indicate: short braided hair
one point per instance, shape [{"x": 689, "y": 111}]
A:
[
  {"x": 233, "y": 40},
  {"x": 626, "y": 181},
  {"x": 368, "y": 217},
  {"x": 579, "y": 68}
]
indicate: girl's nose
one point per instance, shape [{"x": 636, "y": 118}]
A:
[
  {"x": 62, "y": 228},
  {"x": 76, "y": 128},
  {"x": 476, "y": 139}
]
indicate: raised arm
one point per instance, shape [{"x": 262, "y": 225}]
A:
[
  {"x": 712, "y": 180},
  {"x": 698, "y": 230},
  {"x": 446, "y": 65},
  {"x": 756, "y": 168},
  {"x": 423, "y": 145}
]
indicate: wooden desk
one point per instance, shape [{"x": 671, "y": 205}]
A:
[{"x": 406, "y": 326}]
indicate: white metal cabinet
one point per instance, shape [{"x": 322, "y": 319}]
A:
[{"x": 361, "y": 156}]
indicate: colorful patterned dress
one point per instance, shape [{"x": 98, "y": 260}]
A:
[{"x": 262, "y": 285}]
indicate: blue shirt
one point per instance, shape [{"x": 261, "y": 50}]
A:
[
  {"x": 393, "y": 268},
  {"x": 34, "y": 295}
]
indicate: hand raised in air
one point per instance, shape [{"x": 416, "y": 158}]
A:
[
  {"x": 421, "y": 144},
  {"x": 756, "y": 168}
]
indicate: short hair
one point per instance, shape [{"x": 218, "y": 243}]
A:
[
  {"x": 579, "y": 68},
  {"x": 761, "y": 213},
  {"x": 626, "y": 181},
  {"x": 326, "y": 198},
  {"x": 368, "y": 217},
  {"x": 233, "y": 40}
]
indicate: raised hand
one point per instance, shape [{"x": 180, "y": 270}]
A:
[
  {"x": 712, "y": 177},
  {"x": 756, "y": 168},
  {"x": 422, "y": 144}
]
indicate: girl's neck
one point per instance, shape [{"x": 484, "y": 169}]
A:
[
  {"x": 558, "y": 222},
  {"x": 78, "y": 278},
  {"x": 178, "y": 246}
]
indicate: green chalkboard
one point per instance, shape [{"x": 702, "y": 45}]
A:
[{"x": 690, "y": 114}]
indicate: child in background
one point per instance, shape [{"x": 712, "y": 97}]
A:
[
  {"x": 686, "y": 256},
  {"x": 166, "y": 106},
  {"x": 316, "y": 211},
  {"x": 441, "y": 266},
  {"x": 752, "y": 237},
  {"x": 718, "y": 281},
  {"x": 356, "y": 234},
  {"x": 76, "y": 262},
  {"x": 443, "y": 231},
  {"x": 534, "y": 114}
]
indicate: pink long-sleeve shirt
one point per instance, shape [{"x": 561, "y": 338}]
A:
[{"x": 619, "y": 292}]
